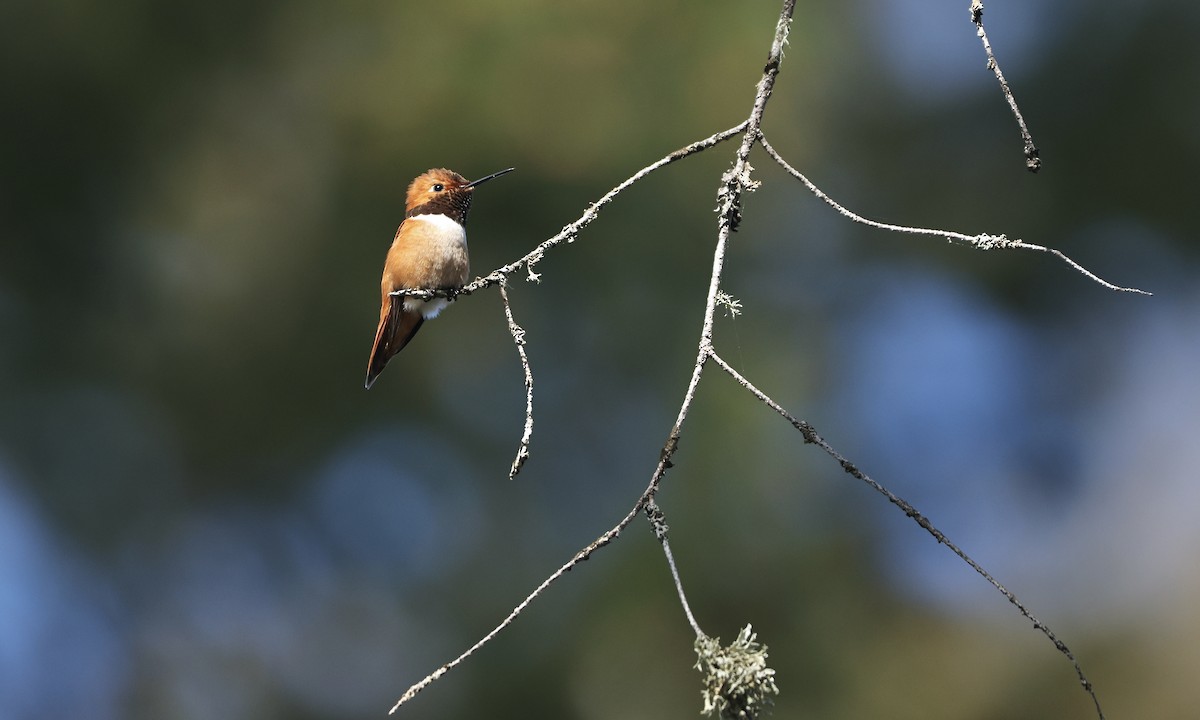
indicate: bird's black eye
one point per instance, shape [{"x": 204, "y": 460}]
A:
[{"x": 438, "y": 187}]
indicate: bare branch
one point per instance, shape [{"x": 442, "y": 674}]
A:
[
  {"x": 810, "y": 436},
  {"x": 659, "y": 522},
  {"x": 518, "y": 335},
  {"x": 569, "y": 232},
  {"x": 982, "y": 241},
  {"x": 577, "y": 558},
  {"x": 735, "y": 182},
  {"x": 1032, "y": 161},
  {"x": 497, "y": 277}
]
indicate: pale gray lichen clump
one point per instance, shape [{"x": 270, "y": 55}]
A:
[{"x": 737, "y": 682}]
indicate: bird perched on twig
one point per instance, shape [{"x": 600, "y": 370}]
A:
[{"x": 429, "y": 252}]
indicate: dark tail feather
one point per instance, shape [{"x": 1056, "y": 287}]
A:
[{"x": 396, "y": 329}]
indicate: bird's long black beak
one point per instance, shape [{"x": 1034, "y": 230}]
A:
[{"x": 482, "y": 180}]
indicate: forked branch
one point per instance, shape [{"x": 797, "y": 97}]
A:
[
  {"x": 497, "y": 277},
  {"x": 735, "y": 182}
]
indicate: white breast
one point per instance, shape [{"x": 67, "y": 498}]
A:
[
  {"x": 448, "y": 238},
  {"x": 448, "y": 233}
]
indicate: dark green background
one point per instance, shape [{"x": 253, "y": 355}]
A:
[{"x": 204, "y": 515}]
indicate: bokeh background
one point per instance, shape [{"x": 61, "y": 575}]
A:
[{"x": 204, "y": 515}]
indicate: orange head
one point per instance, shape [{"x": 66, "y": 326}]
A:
[{"x": 443, "y": 191}]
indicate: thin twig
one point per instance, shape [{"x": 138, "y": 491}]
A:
[
  {"x": 577, "y": 558},
  {"x": 811, "y": 436},
  {"x": 518, "y": 335},
  {"x": 569, "y": 232},
  {"x": 1032, "y": 161},
  {"x": 982, "y": 241},
  {"x": 659, "y": 522}
]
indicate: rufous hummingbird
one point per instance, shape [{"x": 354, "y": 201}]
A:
[{"x": 429, "y": 252}]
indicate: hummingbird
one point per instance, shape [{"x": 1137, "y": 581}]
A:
[{"x": 429, "y": 252}]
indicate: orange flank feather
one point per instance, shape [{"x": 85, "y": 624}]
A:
[{"x": 396, "y": 328}]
